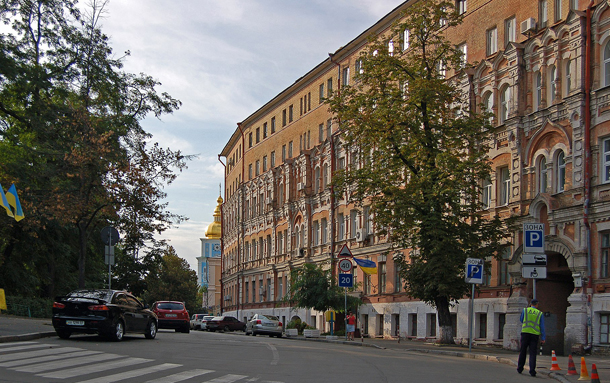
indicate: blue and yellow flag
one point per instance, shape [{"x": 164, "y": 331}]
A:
[
  {"x": 367, "y": 266},
  {"x": 13, "y": 200},
  {"x": 4, "y": 203}
]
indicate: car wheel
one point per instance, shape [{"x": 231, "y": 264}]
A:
[
  {"x": 186, "y": 329},
  {"x": 253, "y": 333},
  {"x": 226, "y": 329},
  {"x": 279, "y": 335},
  {"x": 243, "y": 329},
  {"x": 63, "y": 334},
  {"x": 118, "y": 330},
  {"x": 151, "y": 330}
]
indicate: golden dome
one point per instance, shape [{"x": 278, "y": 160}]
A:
[{"x": 214, "y": 230}]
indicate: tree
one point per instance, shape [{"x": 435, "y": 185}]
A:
[
  {"x": 70, "y": 134},
  {"x": 173, "y": 281},
  {"x": 422, "y": 155},
  {"x": 311, "y": 287}
]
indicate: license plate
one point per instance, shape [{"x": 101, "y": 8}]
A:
[
  {"x": 170, "y": 315},
  {"x": 75, "y": 322}
]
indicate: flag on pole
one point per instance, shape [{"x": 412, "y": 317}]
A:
[
  {"x": 367, "y": 266},
  {"x": 4, "y": 203},
  {"x": 13, "y": 200}
]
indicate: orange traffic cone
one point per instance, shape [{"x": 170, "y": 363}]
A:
[
  {"x": 554, "y": 365},
  {"x": 594, "y": 376},
  {"x": 571, "y": 366},
  {"x": 584, "y": 374}
]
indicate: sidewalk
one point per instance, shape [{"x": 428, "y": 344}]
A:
[{"x": 14, "y": 329}]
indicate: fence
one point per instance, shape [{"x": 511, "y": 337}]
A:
[{"x": 29, "y": 307}]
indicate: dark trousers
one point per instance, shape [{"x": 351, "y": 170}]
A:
[{"x": 528, "y": 341}]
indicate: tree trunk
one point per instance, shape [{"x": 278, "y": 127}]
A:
[{"x": 444, "y": 321}]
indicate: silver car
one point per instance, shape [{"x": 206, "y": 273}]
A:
[
  {"x": 265, "y": 325},
  {"x": 204, "y": 322}
]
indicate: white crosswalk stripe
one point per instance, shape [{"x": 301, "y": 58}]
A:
[
  {"x": 24, "y": 347},
  {"x": 132, "y": 373},
  {"x": 184, "y": 375},
  {"x": 98, "y": 367},
  {"x": 230, "y": 378},
  {"x": 56, "y": 365},
  {"x": 8, "y": 344},
  {"x": 39, "y": 353},
  {"x": 48, "y": 358}
]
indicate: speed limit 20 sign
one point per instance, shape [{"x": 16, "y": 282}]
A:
[{"x": 345, "y": 265}]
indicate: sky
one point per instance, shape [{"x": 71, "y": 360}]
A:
[{"x": 223, "y": 59}]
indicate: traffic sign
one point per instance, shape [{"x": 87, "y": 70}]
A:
[
  {"x": 345, "y": 252},
  {"x": 474, "y": 270},
  {"x": 110, "y": 236},
  {"x": 534, "y": 260},
  {"x": 533, "y": 237},
  {"x": 345, "y": 265},
  {"x": 346, "y": 280},
  {"x": 534, "y": 272}
]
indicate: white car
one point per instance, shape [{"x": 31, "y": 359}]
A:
[{"x": 196, "y": 321}]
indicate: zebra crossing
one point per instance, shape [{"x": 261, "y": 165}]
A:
[{"x": 78, "y": 365}]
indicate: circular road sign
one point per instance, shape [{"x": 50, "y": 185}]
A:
[
  {"x": 110, "y": 236},
  {"x": 345, "y": 265}
]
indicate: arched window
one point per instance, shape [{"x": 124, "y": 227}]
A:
[
  {"x": 488, "y": 105},
  {"x": 504, "y": 104},
  {"x": 542, "y": 176},
  {"x": 538, "y": 94},
  {"x": 607, "y": 64},
  {"x": 317, "y": 180},
  {"x": 297, "y": 237},
  {"x": 552, "y": 83},
  {"x": 561, "y": 172}
]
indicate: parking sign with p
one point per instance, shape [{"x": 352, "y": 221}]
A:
[{"x": 533, "y": 237}]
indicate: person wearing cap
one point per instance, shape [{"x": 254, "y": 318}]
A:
[{"x": 531, "y": 332}]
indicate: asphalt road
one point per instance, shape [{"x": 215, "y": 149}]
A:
[{"x": 225, "y": 358}]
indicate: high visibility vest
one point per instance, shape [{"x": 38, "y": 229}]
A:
[{"x": 531, "y": 321}]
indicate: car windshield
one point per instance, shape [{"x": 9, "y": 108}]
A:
[
  {"x": 97, "y": 295},
  {"x": 217, "y": 318},
  {"x": 208, "y": 318},
  {"x": 270, "y": 317},
  {"x": 170, "y": 306}
]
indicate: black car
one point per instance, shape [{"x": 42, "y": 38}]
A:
[{"x": 109, "y": 313}]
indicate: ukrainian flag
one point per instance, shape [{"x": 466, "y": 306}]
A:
[
  {"x": 13, "y": 200},
  {"x": 367, "y": 266},
  {"x": 4, "y": 203}
]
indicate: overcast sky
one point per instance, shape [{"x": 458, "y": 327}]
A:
[{"x": 224, "y": 59}]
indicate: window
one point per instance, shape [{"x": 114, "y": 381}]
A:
[
  {"x": 290, "y": 113},
  {"x": 483, "y": 326},
  {"x": 341, "y": 224},
  {"x": 284, "y": 117},
  {"x": 258, "y": 135},
  {"x": 542, "y": 176},
  {"x": 558, "y": 10},
  {"x": 504, "y": 104},
  {"x": 247, "y": 292},
  {"x": 486, "y": 200},
  {"x": 501, "y": 323},
  {"x": 397, "y": 278},
  {"x": 290, "y": 149},
  {"x": 604, "y": 325},
  {"x": 605, "y": 254},
  {"x": 329, "y": 128},
  {"x": 250, "y": 171},
  {"x": 573, "y": 4},
  {"x": 413, "y": 324},
  {"x": 321, "y": 94},
  {"x": 538, "y": 94},
  {"x": 253, "y": 291},
  {"x": 382, "y": 277},
  {"x": 568, "y": 76},
  {"x": 272, "y": 159},
  {"x": 543, "y": 13},
  {"x": 492, "y": 41},
  {"x": 553, "y": 83},
  {"x": 504, "y": 186},
  {"x": 280, "y": 289},
  {"x": 264, "y": 130},
  {"x": 323, "y": 229},
  {"x": 250, "y": 140},
  {"x": 258, "y": 168},
  {"x": 391, "y": 47},
  {"x": 367, "y": 284},
  {"x": 488, "y": 105},
  {"x": 432, "y": 325},
  {"x": 606, "y": 160},
  {"x": 321, "y": 133},
  {"x": 345, "y": 76},
  {"x": 607, "y": 64},
  {"x": 264, "y": 163},
  {"x": 353, "y": 223},
  {"x": 510, "y": 31},
  {"x": 329, "y": 87},
  {"x": 325, "y": 176},
  {"x": 405, "y": 39},
  {"x": 283, "y": 153},
  {"x": 317, "y": 179},
  {"x": 441, "y": 68},
  {"x": 359, "y": 68},
  {"x": 561, "y": 172},
  {"x": 464, "y": 49},
  {"x": 460, "y": 6},
  {"x": 315, "y": 232}
]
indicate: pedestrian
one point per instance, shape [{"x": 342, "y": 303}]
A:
[
  {"x": 531, "y": 332},
  {"x": 350, "y": 328}
]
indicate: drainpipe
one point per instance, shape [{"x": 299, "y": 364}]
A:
[
  {"x": 333, "y": 260},
  {"x": 587, "y": 180},
  {"x": 242, "y": 215},
  {"x": 222, "y": 234}
]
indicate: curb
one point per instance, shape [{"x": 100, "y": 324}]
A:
[{"x": 24, "y": 337}]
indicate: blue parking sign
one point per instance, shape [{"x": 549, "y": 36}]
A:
[
  {"x": 346, "y": 280},
  {"x": 474, "y": 270},
  {"x": 533, "y": 237}
]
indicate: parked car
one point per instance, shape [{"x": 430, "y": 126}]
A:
[
  {"x": 264, "y": 325},
  {"x": 172, "y": 315},
  {"x": 109, "y": 313},
  {"x": 205, "y": 321},
  {"x": 196, "y": 321},
  {"x": 226, "y": 323}
]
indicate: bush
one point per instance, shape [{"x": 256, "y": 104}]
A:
[
  {"x": 29, "y": 307},
  {"x": 299, "y": 325}
]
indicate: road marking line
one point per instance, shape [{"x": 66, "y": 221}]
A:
[
  {"x": 14, "y": 344},
  {"x": 35, "y": 354},
  {"x": 48, "y": 366},
  {"x": 227, "y": 379},
  {"x": 276, "y": 355},
  {"x": 132, "y": 373},
  {"x": 180, "y": 376},
  {"x": 21, "y": 362},
  {"x": 27, "y": 347},
  {"x": 98, "y": 367}
]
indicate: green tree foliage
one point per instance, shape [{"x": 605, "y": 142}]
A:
[
  {"x": 71, "y": 140},
  {"x": 311, "y": 287},
  {"x": 422, "y": 156},
  {"x": 173, "y": 280}
]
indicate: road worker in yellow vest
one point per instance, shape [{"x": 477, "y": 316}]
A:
[{"x": 531, "y": 332}]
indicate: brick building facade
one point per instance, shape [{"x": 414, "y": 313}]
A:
[{"x": 548, "y": 86}]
